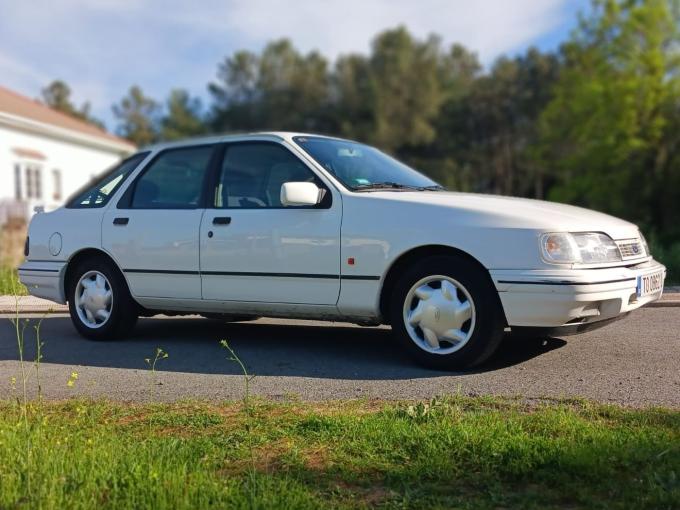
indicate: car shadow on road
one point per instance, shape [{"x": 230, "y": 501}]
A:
[{"x": 337, "y": 351}]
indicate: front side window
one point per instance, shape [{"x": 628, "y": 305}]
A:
[
  {"x": 361, "y": 167},
  {"x": 174, "y": 180},
  {"x": 252, "y": 175},
  {"x": 98, "y": 193}
]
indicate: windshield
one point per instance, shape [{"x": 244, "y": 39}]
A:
[{"x": 361, "y": 167}]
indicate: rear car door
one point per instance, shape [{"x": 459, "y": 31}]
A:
[
  {"x": 153, "y": 231},
  {"x": 252, "y": 247}
]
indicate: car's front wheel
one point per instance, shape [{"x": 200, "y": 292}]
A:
[
  {"x": 446, "y": 313},
  {"x": 100, "y": 304}
]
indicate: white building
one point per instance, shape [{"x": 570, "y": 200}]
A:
[{"x": 46, "y": 155}]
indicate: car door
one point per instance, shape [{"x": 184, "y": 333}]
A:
[
  {"x": 252, "y": 247},
  {"x": 153, "y": 231}
]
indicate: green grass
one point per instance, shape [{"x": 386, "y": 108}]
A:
[
  {"x": 459, "y": 452},
  {"x": 9, "y": 282}
]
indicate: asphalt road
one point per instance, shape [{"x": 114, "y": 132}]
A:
[{"x": 635, "y": 361}]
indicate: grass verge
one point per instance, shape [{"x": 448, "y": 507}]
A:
[
  {"x": 457, "y": 452},
  {"x": 9, "y": 282}
]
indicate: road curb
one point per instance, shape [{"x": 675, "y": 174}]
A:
[
  {"x": 665, "y": 303},
  {"x": 29, "y": 305},
  {"x": 60, "y": 309}
]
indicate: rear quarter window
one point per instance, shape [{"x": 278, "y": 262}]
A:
[{"x": 98, "y": 192}]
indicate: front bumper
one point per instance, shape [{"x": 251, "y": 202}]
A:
[
  {"x": 44, "y": 279},
  {"x": 571, "y": 299}
]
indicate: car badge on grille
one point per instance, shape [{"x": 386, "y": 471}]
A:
[{"x": 636, "y": 249}]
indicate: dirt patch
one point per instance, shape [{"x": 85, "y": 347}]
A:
[
  {"x": 373, "y": 495},
  {"x": 317, "y": 459},
  {"x": 266, "y": 459},
  {"x": 12, "y": 239}
]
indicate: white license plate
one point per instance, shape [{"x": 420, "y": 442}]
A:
[{"x": 648, "y": 284}]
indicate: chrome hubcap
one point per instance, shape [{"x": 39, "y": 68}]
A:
[
  {"x": 439, "y": 314},
  {"x": 93, "y": 299}
]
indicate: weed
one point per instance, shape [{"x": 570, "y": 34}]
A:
[
  {"x": 71, "y": 383},
  {"x": 30, "y": 416},
  {"x": 422, "y": 411},
  {"x": 9, "y": 282},
  {"x": 252, "y": 478},
  {"x": 151, "y": 362}
]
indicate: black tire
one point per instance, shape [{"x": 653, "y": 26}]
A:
[
  {"x": 124, "y": 310},
  {"x": 489, "y": 323}
]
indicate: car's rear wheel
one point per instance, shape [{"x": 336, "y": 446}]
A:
[
  {"x": 445, "y": 311},
  {"x": 100, "y": 304}
]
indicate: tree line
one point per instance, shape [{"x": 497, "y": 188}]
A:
[{"x": 595, "y": 123}]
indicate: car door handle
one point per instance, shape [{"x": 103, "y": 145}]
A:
[
  {"x": 121, "y": 221},
  {"x": 221, "y": 220}
]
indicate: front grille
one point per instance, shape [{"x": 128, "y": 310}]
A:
[{"x": 631, "y": 249}]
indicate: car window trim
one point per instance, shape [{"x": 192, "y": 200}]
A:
[
  {"x": 326, "y": 201},
  {"x": 125, "y": 201}
]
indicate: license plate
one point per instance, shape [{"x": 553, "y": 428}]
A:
[{"x": 649, "y": 284}]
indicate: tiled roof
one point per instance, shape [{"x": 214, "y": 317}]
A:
[{"x": 22, "y": 106}]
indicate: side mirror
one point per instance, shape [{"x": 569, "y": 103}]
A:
[{"x": 300, "y": 193}]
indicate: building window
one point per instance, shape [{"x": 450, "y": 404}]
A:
[
  {"x": 56, "y": 184},
  {"x": 17, "y": 181},
  {"x": 33, "y": 182},
  {"x": 37, "y": 178},
  {"x": 28, "y": 180}
]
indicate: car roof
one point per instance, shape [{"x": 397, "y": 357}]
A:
[{"x": 234, "y": 137}]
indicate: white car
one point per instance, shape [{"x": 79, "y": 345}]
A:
[{"x": 312, "y": 227}]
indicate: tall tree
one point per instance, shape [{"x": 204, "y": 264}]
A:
[
  {"x": 611, "y": 130},
  {"x": 57, "y": 95},
  {"x": 182, "y": 117},
  {"x": 138, "y": 117},
  {"x": 235, "y": 94},
  {"x": 294, "y": 87},
  {"x": 353, "y": 97},
  {"x": 488, "y": 123},
  {"x": 278, "y": 89},
  {"x": 407, "y": 89},
  {"x": 449, "y": 158}
]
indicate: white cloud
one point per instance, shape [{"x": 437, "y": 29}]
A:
[
  {"x": 335, "y": 27},
  {"x": 102, "y": 47}
]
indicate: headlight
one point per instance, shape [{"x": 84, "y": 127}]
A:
[{"x": 584, "y": 248}]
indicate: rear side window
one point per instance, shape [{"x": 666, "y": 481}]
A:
[
  {"x": 98, "y": 193},
  {"x": 174, "y": 180}
]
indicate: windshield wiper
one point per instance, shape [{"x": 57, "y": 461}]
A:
[{"x": 395, "y": 186}]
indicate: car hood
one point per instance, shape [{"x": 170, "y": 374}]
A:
[{"x": 511, "y": 212}]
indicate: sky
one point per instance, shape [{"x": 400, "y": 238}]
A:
[{"x": 102, "y": 47}]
